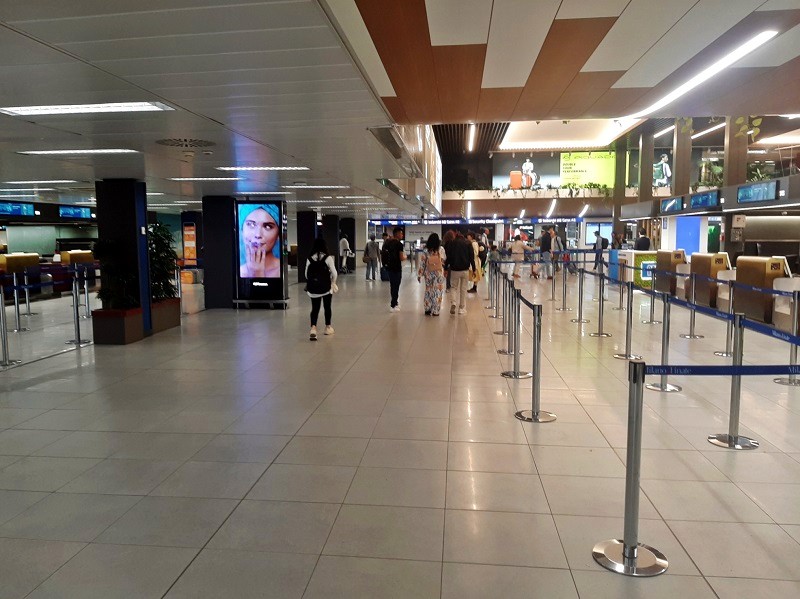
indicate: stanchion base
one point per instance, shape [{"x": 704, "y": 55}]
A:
[
  {"x": 789, "y": 382},
  {"x": 493, "y": 316},
  {"x": 540, "y": 416},
  {"x": 723, "y": 354},
  {"x": 599, "y": 334},
  {"x": 726, "y": 441},
  {"x": 31, "y": 314},
  {"x": 627, "y": 357},
  {"x": 579, "y": 320},
  {"x": 505, "y": 352},
  {"x": 500, "y": 332},
  {"x": 668, "y": 388},
  {"x": 516, "y": 374},
  {"x": 563, "y": 309},
  {"x": 488, "y": 307},
  {"x": 10, "y": 363},
  {"x": 20, "y": 330},
  {"x": 688, "y": 336},
  {"x": 78, "y": 343},
  {"x": 648, "y": 561},
  {"x": 618, "y": 309},
  {"x": 651, "y": 322}
]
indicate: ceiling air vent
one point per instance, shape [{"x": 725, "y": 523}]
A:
[{"x": 185, "y": 142}]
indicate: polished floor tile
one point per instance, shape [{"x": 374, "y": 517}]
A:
[
  {"x": 489, "y": 457},
  {"x": 607, "y": 585},
  {"x": 211, "y": 479},
  {"x": 398, "y": 487},
  {"x": 476, "y": 581},
  {"x": 324, "y": 451},
  {"x": 242, "y": 448},
  {"x": 121, "y": 477},
  {"x": 390, "y": 453},
  {"x": 299, "y": 482},
  {"x": 496, "y": 492},
  {"x": 589, "y": 496},
  {"x": 348, "y": 577},
  {"x": 43, "y": 474},
  {"x": 25, "y": 563}
]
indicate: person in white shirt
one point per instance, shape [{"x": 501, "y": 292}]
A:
[
  {"x": 517, "y": 255},
  {"x": 344, "y": 252}
]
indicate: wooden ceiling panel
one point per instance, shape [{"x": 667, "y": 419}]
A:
[
  {"x": 569, "y": 44},
  {"x": 459, "y": 70},
  {"x": 401, "y": 36},
  {"x": 768, "y": 93},
  {"x": 497, "y": 103},
  {"x": 583, "y": 92},
  {"x": 396, "y": 110},
  {"x": 614, "y": 102}
]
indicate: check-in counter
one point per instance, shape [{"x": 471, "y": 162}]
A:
[
  {"x": 668, "y": 261},
  {"x": 707, "y": 265},
  {"x": 683, "y": 287},
  {"x": 758, "y": 271},
  {"x": 17, "y": 262},
  {"x": 644, "y": 263},
  {"x": 782, "y": 307},
  {"x": 76, "y": 257}
]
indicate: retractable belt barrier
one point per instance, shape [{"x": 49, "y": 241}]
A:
[{"x": 535, "y": 414}]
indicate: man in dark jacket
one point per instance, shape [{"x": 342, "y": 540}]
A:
[
  {"x": 460, "y": 258},
  {"x": 393, "y": 257},
  {"x": 642, "y": 242},
  {"x": 545, "y": 247}
]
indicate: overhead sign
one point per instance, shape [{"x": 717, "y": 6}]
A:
[
  {"x": 580, "y": 168},
  {"x": 16, "y": 209}
]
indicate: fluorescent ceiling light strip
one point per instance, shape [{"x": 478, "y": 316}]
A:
[
  {"x": 550, "y": 145},
  {"x": 469, "y": 210},
  {"x": 584, "y": 211},
  {"x": 154, "y": 193},
  {"x": 85, "y": 108},
  {"x": 471, "y": 140},
  {"x": 262, "y": 168},
  {"x": 663, "y": 132},
  {"x": 205, "y": 179},
  {"x": 78, "y": 152},
  {"x": 707, "y": 73},
  {"x": 51, "y": 182},
  {"x": 522, "y": 213},
  {"x": 771, "y": 207},
  {"x": 38, "y": 189},
  {"x": 265, "y": 193},
  {"x": 552, "y": 208},
  {"x": 316, "y": 186},
  {"x": 355, "y": 197},
  {"x": 19, "y": 195},
  {"x": 709, "y": 130}
]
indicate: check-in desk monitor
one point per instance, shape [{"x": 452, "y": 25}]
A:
[
  {"x": 667, "y": 261},
  {"x": 758, "y": 271}
]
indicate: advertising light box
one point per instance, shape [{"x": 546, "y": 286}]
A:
[
  {"x": 260, "y": 237},
  {"x": 580, "y": 168},
  {"x": 74, "y": 212},
  {"x": 606, "y": 230},
  {"x": 763, "y": 191},
  {"x": 16, "y": 209}
]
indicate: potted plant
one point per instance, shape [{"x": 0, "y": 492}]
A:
[
  {"x": 165, "y": 304},
  {"x": 119, "y": 321}
]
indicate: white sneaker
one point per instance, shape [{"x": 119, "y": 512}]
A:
[
  {"x": 395, "y": 309},
  {"x": 312, "y": 336},
  {"x": 329, "y": 330},
  {"x": 462, "y": 310}
]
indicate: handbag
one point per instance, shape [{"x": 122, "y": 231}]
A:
[{"x": 365, "y": 258}]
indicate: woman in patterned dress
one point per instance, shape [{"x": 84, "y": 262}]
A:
[{"x": 431, "y": 267}]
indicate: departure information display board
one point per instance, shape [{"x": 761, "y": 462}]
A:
[
  {"x": 74, "y": 212},
  {"x": 672, "y": 205},
  {"x": 16, "y": 209},
  {"x": 706, "y": 199},
  {"x": 763, "y": 191}
]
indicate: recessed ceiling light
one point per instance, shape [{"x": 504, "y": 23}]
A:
[
  {"x": 154, "y": 193},
  {"x": 706, "y": 74},
  {"x": 355, "y": 197},
  {"x": 265, "y": 193},
  {"x": 22, "y": 189},
  {"x": 50, "y": 182},
  {"x": 85, "y": 108},
  {"x": 205, "y": 179},
  {"x": 663, "y": 132},
  {"x": 19, "y": 195},
  {"x": 709, "y": 130},
  {"x": 315, "y": 186},
  {"x": 262, "y": 168},
  {"x": 471, "y": 138},
  {"x": 78, "y": 152}
]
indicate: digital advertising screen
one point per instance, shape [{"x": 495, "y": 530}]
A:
[
  {"x": 606, "y": 229},
  {"x": 707, "y": 199},
  {"x": 16, "y": 209},
  {"x": 762, "y": 191},
  {"x": 74, "y": 212},
  {"x": 672, "y": 205},
  {"x": 260, "y": 237},
  {"x": 588, "y": 167}
]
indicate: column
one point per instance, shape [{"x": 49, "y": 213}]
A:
[
  {"x": 122, "y": 219},
  {"x": 734, "y": 173},
  {"x": 220, "y": 256},
  {"x": 681, "y": 158},
  {"x": 646, "y": 155},
  {"x": 306, "y": 234},
  {"x": 620, "y": 171},
  {"x": 330, "y": 232}
]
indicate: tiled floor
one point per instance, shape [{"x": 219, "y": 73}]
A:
[{"x": 234, "y": 458}]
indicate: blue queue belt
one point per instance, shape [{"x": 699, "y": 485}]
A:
[
  {"x": 771, "y": 331},
  {"x": 701, "y": 309},
  {"x": 747, "y": 370}
]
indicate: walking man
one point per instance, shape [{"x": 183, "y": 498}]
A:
[
  {"x": 460, "y": 258},
  {"x": 393, "y": 256}
]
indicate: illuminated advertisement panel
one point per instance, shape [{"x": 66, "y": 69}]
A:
[{"x": 260, "y": 240}]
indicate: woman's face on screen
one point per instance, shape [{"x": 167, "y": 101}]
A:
[{"x": 259, "y": 230}]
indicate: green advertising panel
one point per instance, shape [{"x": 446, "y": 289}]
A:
[{"x": 588, "y": 167}]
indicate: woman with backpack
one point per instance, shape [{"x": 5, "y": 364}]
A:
[
  {"x": 320, "y": 285},
  {"x": 431, "y": 267}
]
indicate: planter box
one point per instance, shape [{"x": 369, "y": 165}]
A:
[
  {"x": 117, "y": 327},
  {"x": 166, "y": 314}
]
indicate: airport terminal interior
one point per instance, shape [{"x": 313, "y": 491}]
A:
[{"x": 400, "y": 299}]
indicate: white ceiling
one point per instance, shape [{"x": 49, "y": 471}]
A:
[{"x": 268, "y": 82}]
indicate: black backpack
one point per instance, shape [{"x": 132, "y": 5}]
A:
[
  {"x": 318, "y": 276},
  {"x": 605, "y": 243}
]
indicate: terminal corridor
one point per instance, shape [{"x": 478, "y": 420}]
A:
[{"x": 231, "y": 457}]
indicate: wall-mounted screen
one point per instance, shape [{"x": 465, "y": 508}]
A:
[
  {"x": 260, "y": 260},
  {"x": 606, "y": 229},
  {"x": 588, "y": 167},
  {"x": 74, "y": 212},
  {"x": 16, "y": 209},
  {"x": 763, "y": 191},
  {"x": 672, "y": 205},
  {"x": 706, "y": 199}
]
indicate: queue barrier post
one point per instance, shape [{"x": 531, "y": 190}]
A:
[
  {"x": 628, "y": 355},
  {"x": 792, "y": 380},
  {"x": 621, "y": 289},
  {"x": 732, "y": 439},
  {"x": 564, "y": 307},
  {"x": 580, "y": 319},
  {"x": 76, "y": 317},
  {"x": 87, "y": 310},
  {"x": 18, "y": 328},
  {"x": 552, "y": 281},
  {"x": 4, "y": 331},
  {"x": 513, "y": 321},
  {"x": 536, "y": 414},
  {"x": 652, "y": 318},
  {"x": 504, "y": 329},
  {"x": 600, "y": 332},
  {"x": 729, "y": 330},
  {"x": 27, "y": 294},
  {"x": 664, "y": 386},
  {"x": 496, "y": 293},
  {"x": 692, "y": 312},
  {"x": 628, "y": 556},
  {"x": 490, "y": 286},
  {"x": 516, "y": 373}
]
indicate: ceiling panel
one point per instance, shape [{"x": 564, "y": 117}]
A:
[
  {"x": 781, "y": 50},
  {"x": 458, "y": 79},
  {"x": 580, "y": 9},
  {"x": 457, "y": 22},
  {"x": 262, "y": 80}
]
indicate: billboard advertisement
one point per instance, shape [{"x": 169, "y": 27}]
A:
[
  {"x": 580, "y": 168},
  {"x": 260, "y": 241}
]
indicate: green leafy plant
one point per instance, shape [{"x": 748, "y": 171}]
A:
[
  {"x": 749, "y": 126},
  {"x": 685, "y": 124},
  {"x": 754, "y": 173},
  {"x": 162, "y": 262},
  {"x": 118, "y": 281}
]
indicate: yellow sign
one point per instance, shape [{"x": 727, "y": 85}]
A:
[{"x": 580, "y": 168}]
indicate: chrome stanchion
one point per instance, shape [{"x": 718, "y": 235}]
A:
[
  {"x": 504, "y": 330},
  {"x": 535, "y": 414},
  {"x": 729, "y": 330},
  {"x": 628, "y": 556},
  {"x": 792, "y": 379},
  {"x": 4, "y": 330},
  {"x": 87, "y": 310},
  {"x": 620, "y": 288},
  {"x": 563, "y": 307},
  {"x": 628, "y": 355},
  {"x": 652, "y": 319},
  {"x": 496, "y": 293},
  {"x": 513, "y": 321},
  {"x": 516, "y": 373},
  {"x": 664, "y": 386},
  {"x": 552, "y": 282},
  {"x": 600, "y": 332},
  {"x": 178, "y": 284},
  {"x": 76, "y": 313},
  {"x": 692, "y": 313},
  {"x": 732, "y": 439},
  {"x": 490, "y": 286},
  {"x": 27, "y": 294},
  {"x": 18, "y": 328},
  {"x": 580, "y": 318}
]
